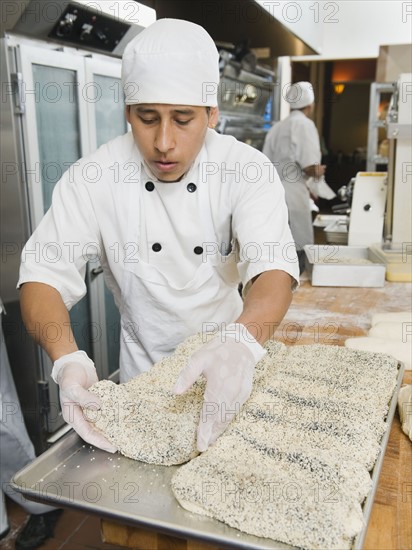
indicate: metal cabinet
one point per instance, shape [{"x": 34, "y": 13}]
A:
[
  {"x": 380, "y": 95},
  {"x": 55, "y": 109},
  {"x": 244, "y": 97}
]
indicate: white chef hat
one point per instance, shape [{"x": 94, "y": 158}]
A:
[
  {"x": 300, "y": 95},
  {"x": 172, "y": 61}
]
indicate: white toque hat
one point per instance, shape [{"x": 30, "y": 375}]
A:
[
  {"x": 300, "y": 95},
  {"x": 172, "y": 61}
]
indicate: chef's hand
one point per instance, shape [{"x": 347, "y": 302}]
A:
[
  {"x": 227, "y": 362},
  {"x": 320, "y": 170},
  {"x": 75, "y": 373},
  {"x": 315, "y": 170}
]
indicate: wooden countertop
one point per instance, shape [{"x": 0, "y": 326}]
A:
[{"x": 330, "y": 315}]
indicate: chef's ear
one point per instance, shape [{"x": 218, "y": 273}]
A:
[
  {"x": 213, "y": 117},
  {"x": 127, "y": 113}
]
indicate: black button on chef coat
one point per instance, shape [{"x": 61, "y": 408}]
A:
[
  {"x": 191, "y": 187},
  {"x": 157, "y": 247},
  {"x": 198, "y": 250},
  {"x": 149, "y": 186}
]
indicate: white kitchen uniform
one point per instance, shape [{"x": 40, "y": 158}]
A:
[
  {"x": 173, "y": 254},
  {"x": 292, "y": 145},
  {"x": 16, "y": 449}
]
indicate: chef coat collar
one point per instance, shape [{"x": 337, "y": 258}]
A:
[
  {"x": 297, "y": 112},
  {"x": 191, "y": 175}
]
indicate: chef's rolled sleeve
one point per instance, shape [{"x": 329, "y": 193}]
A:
[
  {"x": 307, "y": 144},
  {"x": 260, "y": 223},
  {"x": 67, "y": 237}
]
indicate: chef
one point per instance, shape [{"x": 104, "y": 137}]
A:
[
  {"x": 179, "y": 216},
  {"x": 293, "y": 146},
  {"x": 16, "y": 452}
]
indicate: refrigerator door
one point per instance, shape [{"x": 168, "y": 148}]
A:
[
  {"x": 71, "y": 104},
  {"x": 54, "y": 125},
  {"x": 106, "y": 121}
]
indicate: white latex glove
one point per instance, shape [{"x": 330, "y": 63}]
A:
[
  {"x": 227, "y": 362},
  {"x": 75, "y": 373}
]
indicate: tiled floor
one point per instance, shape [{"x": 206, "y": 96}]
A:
[{"x": 74, "y": 531}]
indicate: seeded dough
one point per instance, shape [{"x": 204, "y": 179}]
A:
[
  {"x": 294, "y": 467},
  {"x": 294, "y": 464},
  {"x": 142, "y": 417}
]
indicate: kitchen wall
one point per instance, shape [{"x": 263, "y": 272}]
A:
[
  {"x": 364, "y": 25},
  {"x": 345, "y": 28}
]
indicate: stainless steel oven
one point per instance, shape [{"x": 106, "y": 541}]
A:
[{"x": 245, "y": 100}]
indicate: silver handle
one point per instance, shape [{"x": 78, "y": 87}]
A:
[{"x": 97, "y": 270}]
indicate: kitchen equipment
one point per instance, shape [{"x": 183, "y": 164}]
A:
[
  {"x": 381, "y": 209},
  {"x": 394, "y": 247},
  {"x": 245, "y": 91},
  {"x": 98, "y": 26},
  {"x": 335, "y": 227},
  {"x": 336, "y": 232},
  {"x": 336, "y": 265},
  {"x": 364, "y": 201},
  {"x": 367, "y": 209},
  {"x": 398, "y": 260},
  {"x": 323, "y": 220}
]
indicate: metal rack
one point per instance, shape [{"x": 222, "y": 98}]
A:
[
  {"x": 244, "y": 96},
  {"x": 378, "y": 89}
]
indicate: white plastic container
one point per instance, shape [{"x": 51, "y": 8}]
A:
[
  {"x": 398, "y": 261},
  {"x": 350, "y": 266}
]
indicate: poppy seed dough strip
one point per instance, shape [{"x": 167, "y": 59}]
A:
[{"x": 297, "y": 498}]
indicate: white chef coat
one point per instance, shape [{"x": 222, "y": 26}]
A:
[
  {"x": 292, "y": 145},
  {"x": 165, "y": 235},
  {"x": 16, "y": 449}
]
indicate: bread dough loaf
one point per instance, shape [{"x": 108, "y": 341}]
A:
[
  {"x": 399, "y": 350},
  {"x": 304, "y": 497},
  {"x": 392, "y": 317},
  {"x": 402, "y": 332}
]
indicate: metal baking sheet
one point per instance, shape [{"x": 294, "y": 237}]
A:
[
  {"x": 337, "y": 232},
  {"x": 326, "y": 266},
  {"x": 73, "y": 474},
  {"x": 322, "y": 220}
]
